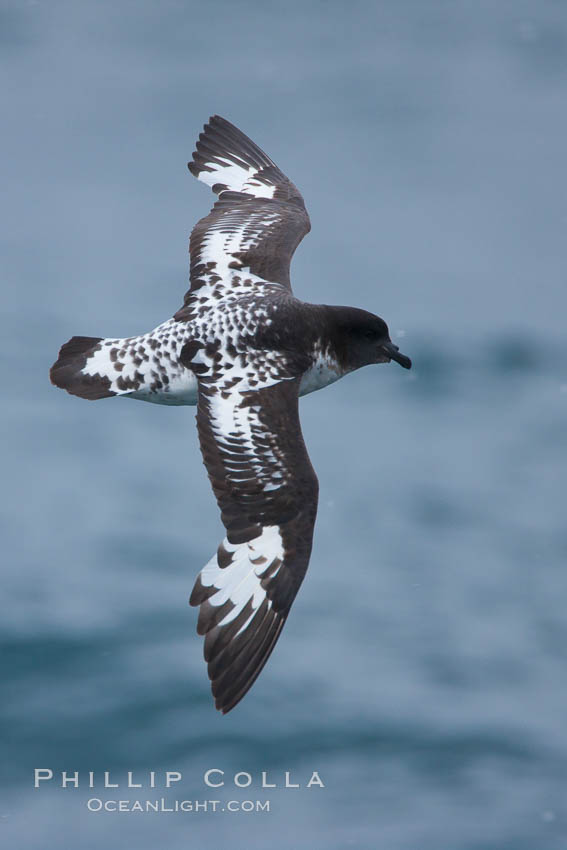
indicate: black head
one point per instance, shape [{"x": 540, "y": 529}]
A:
[{"x": 363, "y": 338}]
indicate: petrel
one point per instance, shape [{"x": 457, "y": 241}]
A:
[{"x": 242, "y": 349}]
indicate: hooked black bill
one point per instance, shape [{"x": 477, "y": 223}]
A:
[{"x": 393, "y": 353}]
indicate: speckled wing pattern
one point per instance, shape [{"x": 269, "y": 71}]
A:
[
  {"x": 267, "y": 491},
  {"x": 147, "y": 366},
  {"x": 247, "y": 411},
  {"x": 257, "y": 222}
]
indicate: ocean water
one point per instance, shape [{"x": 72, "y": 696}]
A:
[{"x": 423, "y": 669}]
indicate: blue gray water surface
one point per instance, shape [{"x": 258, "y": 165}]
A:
[{"x": 422, "y": 672}]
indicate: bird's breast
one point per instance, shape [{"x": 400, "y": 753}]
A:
[{"x": 324, "y": 371}]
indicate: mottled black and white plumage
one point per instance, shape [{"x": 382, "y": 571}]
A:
[{"x": 243, "y": 349}]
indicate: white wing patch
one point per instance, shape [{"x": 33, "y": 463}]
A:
[
  {"x": 240, "y": 583},
  {"x": 229, "y": 235},
  {"x": 226, "y": 418},
  {"x": 235, "y": 177},
  {"x": 222, "y": 272}
]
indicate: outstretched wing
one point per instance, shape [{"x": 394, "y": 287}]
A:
[
  {"x": 250, "y": 235},
  {"x": 267, "y": 492}
]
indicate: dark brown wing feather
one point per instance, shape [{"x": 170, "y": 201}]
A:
[
  {"x": 267, "y": 492},
  {"x": 259, "y": 219}
]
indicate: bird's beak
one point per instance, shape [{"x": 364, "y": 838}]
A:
[{"x": 393, "y": 352}]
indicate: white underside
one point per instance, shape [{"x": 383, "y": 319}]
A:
[
  {"x": 183, "y": 390},
  {"x": 180, "y": 392}
]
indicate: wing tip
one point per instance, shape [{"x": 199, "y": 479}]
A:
[
  {"x": 235, "y": 651},
  {"x": 221, "y": 146},
  {"x": 227, "y": 695}
]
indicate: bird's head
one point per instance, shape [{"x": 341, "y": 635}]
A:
[{"x": 363, "y": 338}]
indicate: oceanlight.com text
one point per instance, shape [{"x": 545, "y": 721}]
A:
[{"x": 95, "y": 804}]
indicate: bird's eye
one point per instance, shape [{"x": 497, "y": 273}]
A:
[{"x": 370, "y": 334}]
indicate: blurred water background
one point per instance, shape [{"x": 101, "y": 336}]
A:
[{"x": 423, "y": 668}]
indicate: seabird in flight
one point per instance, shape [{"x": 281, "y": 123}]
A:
[{"x": 242, "y": 349}]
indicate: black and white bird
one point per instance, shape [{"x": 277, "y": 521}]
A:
[{"x": 242, "y": 349}]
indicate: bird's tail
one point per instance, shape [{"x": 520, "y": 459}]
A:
[
  {"x": 83, "y": 369},
  {"x": 147, "y": 367}
]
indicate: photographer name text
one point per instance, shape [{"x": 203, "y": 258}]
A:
[{"x": 212, "y": 778}]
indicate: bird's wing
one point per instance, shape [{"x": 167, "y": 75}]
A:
[
  {"x": 267, "y": 492},
  {"x": 249, "y": 237}
]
